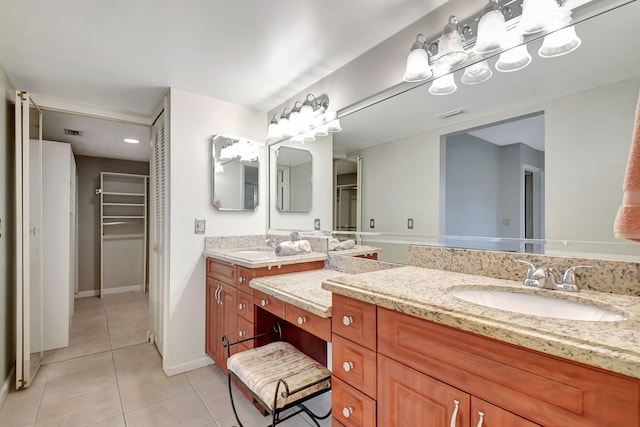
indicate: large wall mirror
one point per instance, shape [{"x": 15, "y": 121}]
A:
[
  {"x": 294, "y": 167},
  {"x": 534, "y": 154},
  {"x": 235, "y": 173}
]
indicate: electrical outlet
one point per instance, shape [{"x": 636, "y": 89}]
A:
[
  {"x": 372, "y": 223},
  {"x": 200, "y": 226},
  {"x": 506, "y": 221},
  {"x": 316, "y": 224},
  {"x": 410, "y": 223}
]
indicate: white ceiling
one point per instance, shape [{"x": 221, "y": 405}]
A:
[{"x": 125, "y": 54}]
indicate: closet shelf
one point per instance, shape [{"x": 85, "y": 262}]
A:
[
  {"x": 112, "y": 193},
  {"x": 123, "y": 204},
  {"x": 123, "y": 217}
]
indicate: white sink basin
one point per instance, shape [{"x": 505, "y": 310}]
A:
[{"x": 536, "y": 305}]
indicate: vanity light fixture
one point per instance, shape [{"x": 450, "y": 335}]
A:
[
  {"x": 131, "y": 141},
  {"x": 245, "y": 150},
  {"x": 307, "y": 120},
  {"x": 502, "y": 26}
]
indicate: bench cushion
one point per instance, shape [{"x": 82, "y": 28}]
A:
[{"x": 261, "y": 368}]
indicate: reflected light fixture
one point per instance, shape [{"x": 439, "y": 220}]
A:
[
  {"x": 418, "y": 68},
  {"x": 560, "y": 42},
  {"x": 538, "y": 16},
  {"x": 492, "y": 29},
  {"x": 131, "y": 141},
  {"x": 443, "y": 85},
  {"x": 477, "y": 73},
  {"x": 307, "y": 120},
  {"x": 450, "y": 50},
  {"x": 515, "y": 58}
]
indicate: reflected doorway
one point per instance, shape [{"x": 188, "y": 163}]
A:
[{"x": 347, "y": 194}]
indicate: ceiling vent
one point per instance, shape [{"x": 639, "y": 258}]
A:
[{"x": 72, "y": 132}]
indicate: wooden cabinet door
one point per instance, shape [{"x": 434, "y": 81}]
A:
[
  {"x": 493, "y": 416},
  {"x": 210, "y": 316},
  {"x": 409, "y": 398},
  {"x": 227, "y": 322}
]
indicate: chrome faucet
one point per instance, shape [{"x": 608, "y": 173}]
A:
[
  {"x": 548, "y": 278},
  {"x": 272, "y": 242}
]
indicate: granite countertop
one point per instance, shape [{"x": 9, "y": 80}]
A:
[
  {"x": 422, "y": 292},
  {"x": 261, "y": 258},
  {"x": 304, "y": 290},
  {"x": 358, "y": 250}
]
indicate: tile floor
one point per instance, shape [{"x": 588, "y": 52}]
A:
[{"x": 109, "y": 376}]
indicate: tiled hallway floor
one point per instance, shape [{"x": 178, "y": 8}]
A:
[{"x": 110, "y": 377}]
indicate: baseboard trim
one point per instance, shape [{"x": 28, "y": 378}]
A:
[
  {"x": 132, "y": 288},
  {"x": 6, "y": 386},
  {"x": 201, "y": 362},
  {"x": 87, "y": 294}
]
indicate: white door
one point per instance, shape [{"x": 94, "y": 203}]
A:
[
  {"x": 28, "y": 177},
  {"x": 158, "y": 266}
]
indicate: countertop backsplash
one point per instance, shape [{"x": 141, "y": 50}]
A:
[{"x": 617, "y": 277}]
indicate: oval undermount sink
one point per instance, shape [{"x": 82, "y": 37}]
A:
[{"x": 536, "y": 305}]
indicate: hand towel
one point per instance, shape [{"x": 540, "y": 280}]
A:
[
  {"x": 347, "y": 244},
  {"x": 333, "y": 244},
  {"x": 627, "y": 223},
  {"x": 293, "y": 248}
]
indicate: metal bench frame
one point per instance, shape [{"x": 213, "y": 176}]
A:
[{"x": 282, "y": 388}]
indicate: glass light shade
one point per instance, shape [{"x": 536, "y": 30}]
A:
[
  {"x": 285, "y": 127},
  {"x": 309, "y": 136},
  {"x": 560, "y": 43},
  {"x": 306, "y": 111},
  {"x": 538, "y": 16},
  {"x": 219, "y": 168},
  {"x": 295, "y": 121},
  {"x": 418, "y": 68},
  {"x": 477, "y": 73},
  {"x": 273, "y": 132},
  {"x": 492, "y": 32},
  {"x": 513, "y": 59},
  {"x": 321, "y": 127},
  {"x": 444, "y": 85},
  {"x": 334, "y": 126},
  {"x": 450, "y": 50}
]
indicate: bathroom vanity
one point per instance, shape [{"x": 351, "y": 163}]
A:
[{"x": 401, "y": 342}]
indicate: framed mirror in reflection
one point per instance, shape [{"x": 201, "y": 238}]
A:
[
  {"x": 464, "y": 168},
  {"x": 293, "y": 180},
  {"x": 235, "y": 172}
]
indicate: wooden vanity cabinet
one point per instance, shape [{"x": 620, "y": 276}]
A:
[{"x": 424, "y": 368}]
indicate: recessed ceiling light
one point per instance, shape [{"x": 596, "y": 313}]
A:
[{"x": 131, "y": 141}]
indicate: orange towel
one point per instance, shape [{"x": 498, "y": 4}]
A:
[{"x": 627, "y": 224}]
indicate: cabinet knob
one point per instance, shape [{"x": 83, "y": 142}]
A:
[
  {"x": 347, "y": 366},
  {"x": 242, "y": 279},
  {"x": 347, "y": 412},
  {"x": 481, "y": 420},
  {"x": 347, "y": 320},
  {"x": 242, "y": 306},
  {"x": 264, "y": 302},
  {"x": 242, "y": 333},
  {"x": 302, "y": 320}
]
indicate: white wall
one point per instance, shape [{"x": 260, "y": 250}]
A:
[
  {"x": 585, "y": 154},
  {"x": 193, "y": 120},
  {"x": 7, "y": 218},
  {"x": 322, "y": 183},
  {"x": 301, "y": 193}
]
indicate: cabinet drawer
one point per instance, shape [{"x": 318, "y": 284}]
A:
[
  {"x": 221, "y": 270},
  {"x": 350, "y": 407},
  {"x": 244, "y": 330},
  {"x": 355, "y": 365},
  {"x": 245, "y": 306},
  {"x": 563, "y": 393},
  {"x": 354, "y": 320},
  {"x": 492, "y": 416},
  {"x": 336, "y": 423},
  {"x": 267, "y": 302},
  {"x": 244, "y": 277},
  {"x": 316, "y": 325}
]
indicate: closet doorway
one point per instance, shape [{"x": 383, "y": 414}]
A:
[{"x": 347, "y": 194}]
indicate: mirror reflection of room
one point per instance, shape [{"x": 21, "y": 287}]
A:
[
  {"x": 293, "y": 175},
  {"x": 235, "y": 173}
]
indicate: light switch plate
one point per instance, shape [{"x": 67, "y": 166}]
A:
[
  {"x": 200, "y": 225},
  {"x": 410, "y": 223},
  {"x": 372, "y": 223},
  {"x": 316, "y": 224}
]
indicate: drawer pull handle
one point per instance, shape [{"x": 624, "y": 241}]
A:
[
  {"x": 454, "y": 416},
  {"x": 481, "y": 420},
  {"x": 302, "y": 320},
  {"x": 242, "y": 333},
  {"x": 347, "y": 412},
  {"x": 347, "y": 366},
  {"x": 347, "y": 320},
  {"x": 242, "y": 306},
  {"x": 242, "y": 279},
  {"x": 264, "y": 302}
]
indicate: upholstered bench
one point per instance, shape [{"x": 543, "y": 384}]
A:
[{"x": 279, "y": 376}]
